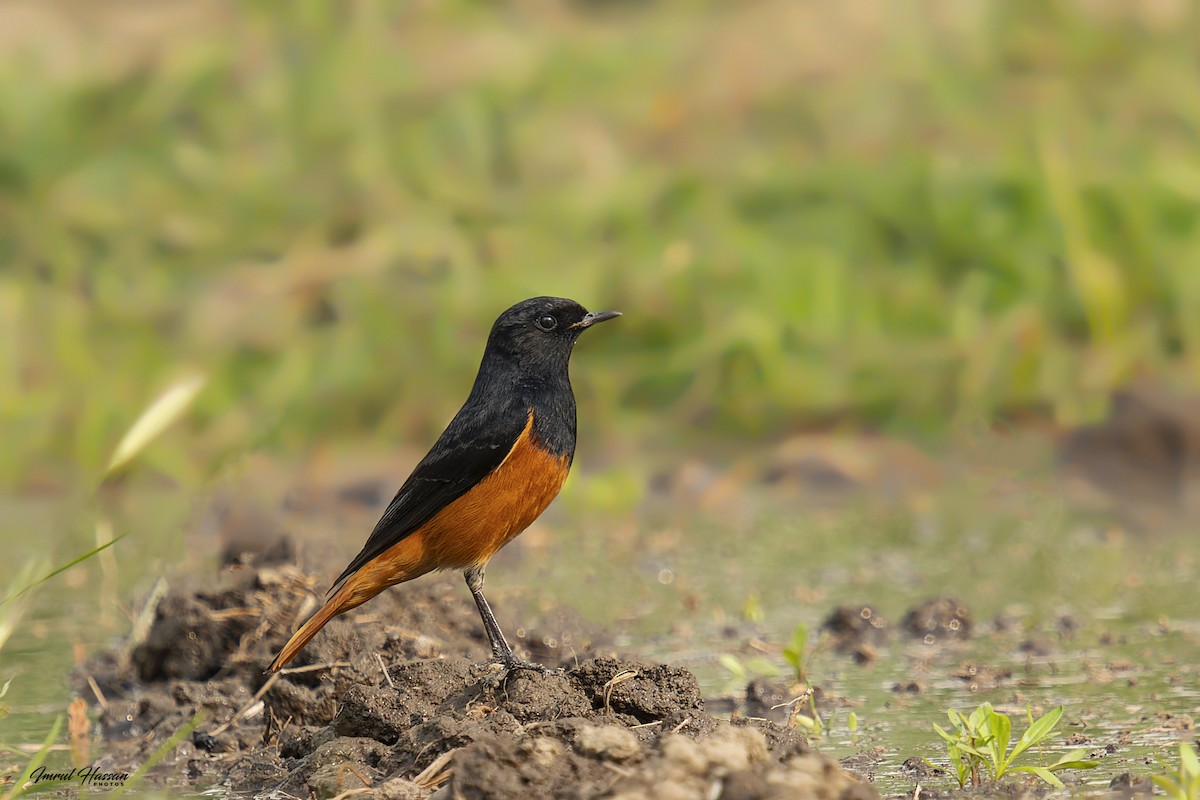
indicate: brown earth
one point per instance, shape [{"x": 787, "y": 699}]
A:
[{"x": 388, "y": 701}]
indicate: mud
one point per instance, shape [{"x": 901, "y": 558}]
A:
[
  {"x": 856, "y": 631},
  {"x": 391, "y": 701},
  {"x": 940, "y": 619}
]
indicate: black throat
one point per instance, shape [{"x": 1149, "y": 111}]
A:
[{"x": 508, "y": 386}]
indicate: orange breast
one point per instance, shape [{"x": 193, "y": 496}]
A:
[{"x": 470, "y": 530}]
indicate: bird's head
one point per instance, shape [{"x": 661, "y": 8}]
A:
[{"x": 538, "y": 333}]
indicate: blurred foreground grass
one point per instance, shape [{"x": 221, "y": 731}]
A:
[{"x": 910, "y": 213}]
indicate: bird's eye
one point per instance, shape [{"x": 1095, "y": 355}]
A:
[{"x": 547, "y": 322}]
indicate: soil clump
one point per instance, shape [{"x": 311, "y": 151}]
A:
[{"x": 390, "y": 699}]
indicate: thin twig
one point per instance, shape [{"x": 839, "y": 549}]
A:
[
  {"x": 383, "y": 668},
  {"x": 348, "y": 767},
  {"x": 617, "y": 680},
  {"x": 266, "y": 687},
  {"x": 352, "y": 793},
  {"x": 428, "y": 775},
  {"x": 234, "y": 613},
  {"x": 100, "y": 698},
  {"x": 313, "y": 667},
  {"x": 271, "y": 681},
  {"x": 35, "y": 747}
]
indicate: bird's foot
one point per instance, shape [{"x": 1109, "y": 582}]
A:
[{"x": 507, "y": 663}]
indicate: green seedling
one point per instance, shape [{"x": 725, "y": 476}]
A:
[
  {"x": 796, "y": 653},
  {"x": 980, "y": 741},
  {"x": 741, "y": 672},
  {"x": 1183, "y": 783}
]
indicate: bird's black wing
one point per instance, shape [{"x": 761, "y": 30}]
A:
[{"x": 472, "y": 446}]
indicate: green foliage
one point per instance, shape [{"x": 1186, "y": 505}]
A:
[
  {"x": 981, "y": 741},
  {"x": 742, "y": 671},
  {"x": 310, "y": 207},
  {"x": 1184, "y": 782}
]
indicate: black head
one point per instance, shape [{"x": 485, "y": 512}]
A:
[{"x": 538, "y": 334}]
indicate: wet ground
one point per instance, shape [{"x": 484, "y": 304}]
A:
[
  {"x": 393, "y": 700},
  {"x": 1011, "y": 571},
  {"x": 404, "y": 708}
]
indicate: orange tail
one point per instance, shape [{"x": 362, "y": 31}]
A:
[
  {"x": 343, "y": 600},
  {"x": 402, "y": 562}
]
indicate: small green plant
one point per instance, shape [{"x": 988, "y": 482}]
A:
[
  {"x": 796, "y": 653},
  {"x": 1184, "y": 783},
  {"x": 980, "y": 741}
]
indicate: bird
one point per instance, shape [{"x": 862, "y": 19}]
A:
[{"x": 498, "y": 465}]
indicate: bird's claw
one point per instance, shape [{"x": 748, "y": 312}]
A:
[{"x": 507, "y": 663}]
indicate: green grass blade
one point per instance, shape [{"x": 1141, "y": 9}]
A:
[
  {"x": 36, "y": 761},
  {"x": 63, "y": 568},
  {"x": 158, "y": 416},
  {"x": 162, "y": 752}
]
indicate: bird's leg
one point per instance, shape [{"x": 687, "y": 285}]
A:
[{"x": 502, "y": 651}]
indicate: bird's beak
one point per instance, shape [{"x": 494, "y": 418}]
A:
[{"x": 591, "y": 319}]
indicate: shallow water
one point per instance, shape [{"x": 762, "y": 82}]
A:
[{"x": 1067, "y": 608}]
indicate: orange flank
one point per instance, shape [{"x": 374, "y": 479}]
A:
[{"x": 465, "y": 533}]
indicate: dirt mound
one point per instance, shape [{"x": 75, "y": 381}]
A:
[
  {"x": 939, "y": 619},
  {"x": 388, "y": 701}
]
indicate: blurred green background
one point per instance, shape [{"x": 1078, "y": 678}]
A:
[
  {"x": 901, "y": 214},
  {"x": 926, "y": 218}
]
